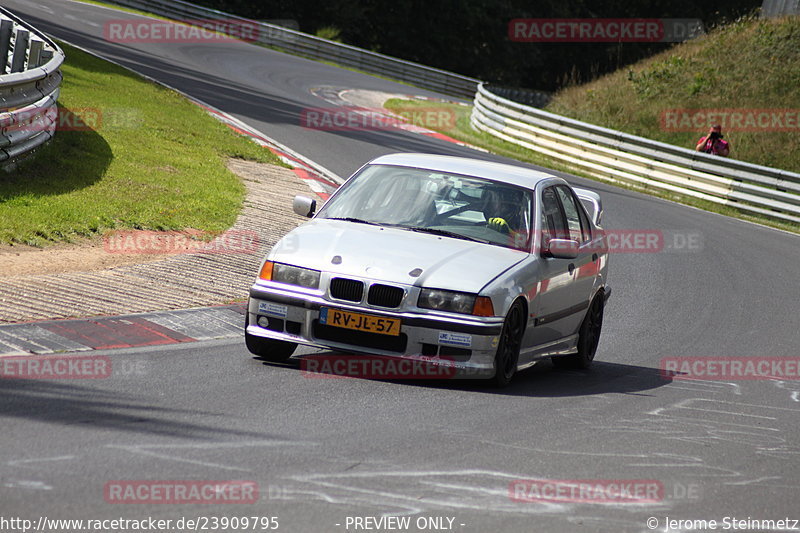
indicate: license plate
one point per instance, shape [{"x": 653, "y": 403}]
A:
[{"x": 359, "y": 322}]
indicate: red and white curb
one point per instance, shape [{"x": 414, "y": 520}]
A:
[
  {"x": 129, "y": 331},
  {"x": 318, "y": 178}
]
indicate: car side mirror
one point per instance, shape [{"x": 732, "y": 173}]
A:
[
  {"x": 562, "y": 248},
  {"x": 304, "y": 206}
]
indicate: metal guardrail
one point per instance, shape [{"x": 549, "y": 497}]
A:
[
  {"x": 779, "y": 8},
  {"x": 615, "y": 156},
  {"x": 306, "y": 45},
  {"x": 523, "y": 96},
  {"x": 600, "y": 152},
  {"x": 30, "y": 77}
]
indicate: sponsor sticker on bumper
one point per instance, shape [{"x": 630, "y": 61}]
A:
[
  {"x": 455, "y": 339},
  {"x": 272, "y": 309}
]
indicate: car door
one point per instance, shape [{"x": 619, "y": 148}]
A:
[
  {"x": 557, "y": 303},
  {"x": 587, "y": 263}
]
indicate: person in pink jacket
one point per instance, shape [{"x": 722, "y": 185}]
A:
[{"x": 713, "y": 143}]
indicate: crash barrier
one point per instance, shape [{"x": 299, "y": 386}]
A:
[
  {"x": 600, "y": 152},
  {"x": 620, "y": 157},
  {"x": 306, "y": 45},
  {"x": 779, "y": 8},
  {"x": 523, "y": 96},
  {"x": 30, "y": 76}
]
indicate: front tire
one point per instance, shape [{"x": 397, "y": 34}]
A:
[
  {"x": 507, "y": 356},
  {"x": 270, "y": 350},
  {"x": 588, "y": 338}
]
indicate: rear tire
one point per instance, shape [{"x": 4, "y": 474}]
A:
[
  {"x": 507, "y": 356},
  {"x": 588, "y": 338},
  {"x": 270, "y": 350}
]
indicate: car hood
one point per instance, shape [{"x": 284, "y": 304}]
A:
[{"x": 394, "y": 255}]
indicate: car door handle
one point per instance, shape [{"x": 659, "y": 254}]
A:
[{"x": 571, "y": 267}]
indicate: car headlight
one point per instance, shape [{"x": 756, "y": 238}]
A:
[
  {"x": 292, "y": 275},
  {"x": 455, "y": 302}
]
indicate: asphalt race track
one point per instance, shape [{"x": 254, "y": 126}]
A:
[{"x": 326, "y": 452}]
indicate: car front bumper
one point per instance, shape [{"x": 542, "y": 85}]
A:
[{"x": 466, "y": 345}]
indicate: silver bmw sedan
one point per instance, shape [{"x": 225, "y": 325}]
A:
[{"x": 480, "y": 267}]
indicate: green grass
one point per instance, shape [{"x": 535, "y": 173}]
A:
[
  {"x": 464, "y": 132},
  {"x": 153, "y": 161},
  {"x": 749, "y": 64}
]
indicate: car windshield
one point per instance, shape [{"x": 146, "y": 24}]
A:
[{"x": 461, "y": 207}]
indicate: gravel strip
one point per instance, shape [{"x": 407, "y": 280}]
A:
[{"x": 176, "y": 282}]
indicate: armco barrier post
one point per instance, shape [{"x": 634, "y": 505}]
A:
[
  {"x": 6, "y": 27},
  {"x": 20, "y": 51}
]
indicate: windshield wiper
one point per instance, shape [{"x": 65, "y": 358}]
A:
[
  {"x": 445, "y": 233},
  {"x": 358, "y": 220}
]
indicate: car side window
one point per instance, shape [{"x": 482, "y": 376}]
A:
[
  {"x": 554, "y": 224},
  {"x": 586, "y": 226},
  {"x": 571, "y": 210}
]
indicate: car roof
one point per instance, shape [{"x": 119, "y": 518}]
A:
[{"x": 520, "y": 176}]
